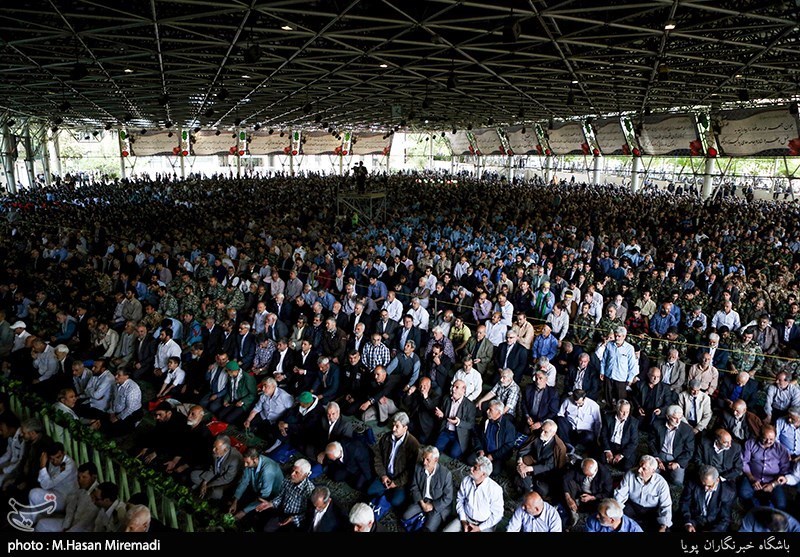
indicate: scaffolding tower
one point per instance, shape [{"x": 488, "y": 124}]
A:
[{"x": 369, "y": 207}]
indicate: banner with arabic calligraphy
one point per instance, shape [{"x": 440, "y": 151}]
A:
[
  {"x": 522, "y": 143},
  {"x": 207, "y": 143},
  {"x": 757, "y": 132},
  {"x": 668, "y": 134},
  {"x": 488, "y": 141},
  {"x": 154, "y": 144},
  {"x": 268, "y": 144},
  {"x": 566, "y": 138},
  {"x": 320, "y": 143},
  {"x": 459, "y": 143},
  {"x": 371, "y": 143},
  {"x": 610, "y": 137}
]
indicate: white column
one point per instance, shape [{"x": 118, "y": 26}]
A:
[
  {"x": 708, "y": 178},
  {"x": 57, "y": 153},
  {"x": 635, "y": 174},
  {"x": 29, "y": 156},
  {"x": 596, "y": 170},
  {"x": 8, "y": 160},
  {"x": 547, "y": 169},
  {"x": 121, "y": 158},
  {"x": 44, "y": 153}
]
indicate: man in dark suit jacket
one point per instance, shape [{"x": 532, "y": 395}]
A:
[
  {"x": 512, "y": 355},
  {"x": 583, "y": 376},
  {"x": 741, "y": 423},
  {"x": 387, "y": 328},
  {"x": 735, "y": 387},
  {"x": 212, "y": 335},
  {"x": 358, "y": 316},
  {"x": 275, "y": 328},
  {"x": 494, "y": 438},
  {"x": 245, "y": 346},
  {"x": 651, "y": 398},
  {"x": 348, "y": 461},
  {"x": 620, "y": 445},
  {"x": 329, "y": 427},
  {"x": 721, "y": 453},
  {"x": 434, "y": 498},
  {"x": 394, "y": 468},
  {"x": 458, "y": 419},
  {"x": 341, "y": 318},
  {"x": 281, "y": 308},
  {"x": 324, "y": 515},
  {"x": 721, "y": 354},
  {"x": 421, "y": 402},
  {"x": 407, "y": 332},
  {"x": 792, "y": 339},
  {"x": 228, "y": 340},
  {"x": 281, "y": 366},
  {"x": 706, "y": 503},
  {"x": 144, "y": 353},
  {"x": 672, "y": 444},
  {"x": 579, "y": 499},
  {"x": 540, "y": 401}
]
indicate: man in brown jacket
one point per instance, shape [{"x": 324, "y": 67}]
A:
[{"x": 395, "y": 457}]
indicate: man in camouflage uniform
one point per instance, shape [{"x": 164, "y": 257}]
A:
[
  {"x": 746, "y": 355},
  {"x": 190, "y": 303},
  {"x": 168, "y": 306},
  {"x": 610, "y": 321},
  {"x": 234, "y": 297},
  {"x": 202, "y": 271},
  {"x": 214, "y": 289},
  {"x": 583, "y": 327},
  {"x": 152, "y": 318}
]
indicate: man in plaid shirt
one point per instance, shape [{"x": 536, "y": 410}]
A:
[
  {"x": 126, "y": 405},
  {"x": 376, "y": 353},
  {"x": 287, "y": 510}
]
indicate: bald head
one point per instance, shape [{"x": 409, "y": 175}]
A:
[{"x": 533, "y": 503}]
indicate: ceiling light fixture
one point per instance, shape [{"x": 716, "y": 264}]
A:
[
  {"x": 128, "y": 70},
  {"x": 669, "y": 25},
  {"x": 287, "y": 28}
]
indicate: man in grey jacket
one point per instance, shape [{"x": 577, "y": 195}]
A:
[{"x": 431, "y": 491}]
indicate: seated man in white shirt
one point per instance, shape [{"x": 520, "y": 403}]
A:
[
  {"x": 534, "y": 514},
  {"x": 58, "y": 477},
  {"x": 645, "y": 496},
  {"x": 579, "y": 420},
  {"x": 80, "y": 511},
  {"x": 479, "y": 502}
]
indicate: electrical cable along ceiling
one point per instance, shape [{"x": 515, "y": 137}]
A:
[{"x": 381, "y": 64}]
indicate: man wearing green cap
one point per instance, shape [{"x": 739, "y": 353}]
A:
[
  {"x": 240, "y": 397},
  {"x": 299, "y": 424}
]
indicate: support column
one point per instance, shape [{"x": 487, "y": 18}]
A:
[
  {"x": 29, "y": 156},
  {"x": 44, "y": 154},
  {"x": 547, "y": 169},
  {"x": 708, "y": 178},
  {"x": 8, "y": 160},
  {"x": 57, "y": 153},
  {"x": 121, "y": 158},
  {"x": 635, "y": 174},
  {"x": 596, "y": 171}
]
